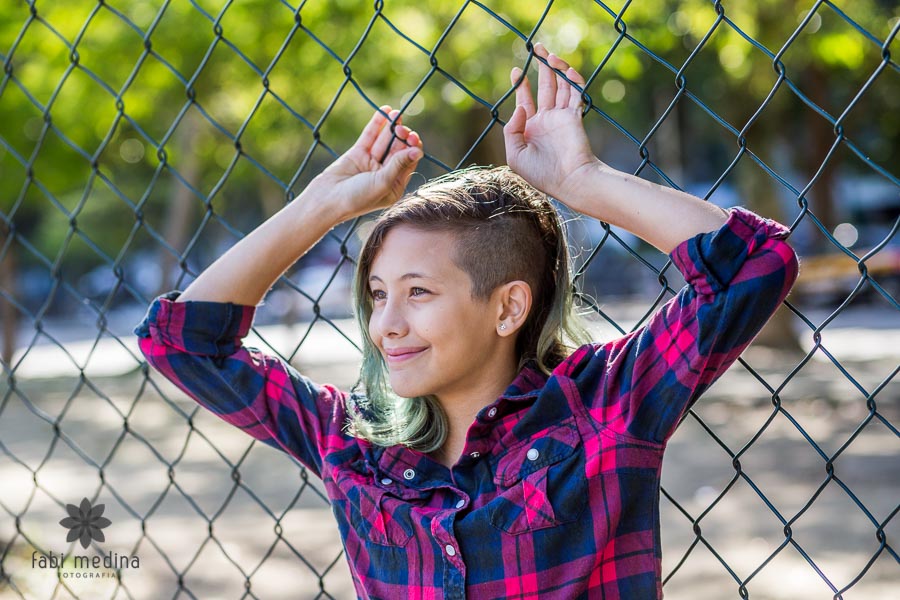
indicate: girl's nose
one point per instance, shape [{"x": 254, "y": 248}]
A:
[{"x": 390, "y": 320}]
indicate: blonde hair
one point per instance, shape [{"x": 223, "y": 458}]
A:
[{"x": 505, "y": 230}]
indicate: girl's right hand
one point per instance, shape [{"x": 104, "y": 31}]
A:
[{"x": 358, "y": 182}]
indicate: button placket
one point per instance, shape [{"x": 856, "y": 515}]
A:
[{"x": 371, "y": 514}]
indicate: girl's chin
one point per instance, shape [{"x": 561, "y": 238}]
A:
[{"x": 406, "y": 390}]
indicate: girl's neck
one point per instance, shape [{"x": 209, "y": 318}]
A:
[
  {"x": 461, "y": 408},
  {"x": 446, "y": 456}
]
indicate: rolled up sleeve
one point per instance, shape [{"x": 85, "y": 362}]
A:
[
  {"x": 198, "y": 347},
  {"x": 737, "y": 276}
]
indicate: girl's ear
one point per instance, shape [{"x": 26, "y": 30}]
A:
[{"x": 513, "y": 305}]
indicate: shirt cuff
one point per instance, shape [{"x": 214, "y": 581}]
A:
[
  {"x": 196, "y": 327},
  {"x": 709, "y": 261}
]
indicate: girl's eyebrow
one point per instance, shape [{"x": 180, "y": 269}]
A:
[{"x": 403, "y": 277}]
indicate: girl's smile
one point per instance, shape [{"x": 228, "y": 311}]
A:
[
  {"x": 434, "y": 337},
  {"x": 402, "y": 355}
]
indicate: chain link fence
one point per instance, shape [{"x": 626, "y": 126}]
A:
[{"x": 139, "y": 139}]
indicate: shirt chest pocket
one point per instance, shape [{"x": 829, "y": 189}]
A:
[
  {"x": 379, "y": 507},
  {"x": 540, "y": 482}
]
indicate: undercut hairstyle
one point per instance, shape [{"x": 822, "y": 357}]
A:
[{"x": 504, "y": 230}]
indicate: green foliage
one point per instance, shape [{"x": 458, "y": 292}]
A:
[{"x": 237, "y": 94}]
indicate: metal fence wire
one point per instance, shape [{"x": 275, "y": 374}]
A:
[{"x": 139, "y": 139}]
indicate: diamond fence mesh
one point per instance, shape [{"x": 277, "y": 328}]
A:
[{"x": 140, "y": 139}]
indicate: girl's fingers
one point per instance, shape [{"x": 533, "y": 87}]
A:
[
  {"x": 546, "y": 95},
  {"x": 406, "y": 139},
  {"x": 575, "y": 100},
  {"x": 380, "y": 146},
  {"x": 563, "y": 88},
  {"x": 372, "y": 129},
  {"x": 523, "y": 92}
]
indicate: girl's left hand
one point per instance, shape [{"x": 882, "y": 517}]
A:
[
  {"x": 547, "y": 145},
  {"x": 358, "y": 182}
]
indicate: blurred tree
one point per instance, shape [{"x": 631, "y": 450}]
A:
[{"x": 127, "y": 123}]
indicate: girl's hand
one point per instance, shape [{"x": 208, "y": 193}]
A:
[
  {"x": 358, "y": 182},
  {"x": 547, "y": 145}
]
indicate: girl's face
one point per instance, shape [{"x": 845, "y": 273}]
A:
[{"x": 422, "y": 308}]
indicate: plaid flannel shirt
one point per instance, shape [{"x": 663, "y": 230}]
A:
[{"x": 557, "y": 492}]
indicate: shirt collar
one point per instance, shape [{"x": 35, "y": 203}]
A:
[
  {"x": 527, "y": 383},
  {"x": 395, "y": 460}
]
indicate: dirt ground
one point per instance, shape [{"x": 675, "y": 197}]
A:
[{"x": 232, "y": 516}]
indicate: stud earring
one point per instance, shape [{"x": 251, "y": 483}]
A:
[{"x": 502, "y": 326}]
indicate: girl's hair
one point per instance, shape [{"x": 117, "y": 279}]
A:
[{"x": 505, "y": 230}]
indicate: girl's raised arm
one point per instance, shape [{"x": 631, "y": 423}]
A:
[
  {"x": 355, "y": 184},
  {"x": 738, "y": 267},
  {"x": 547, "y": 145},
  {"x": 194, "y": 338}
]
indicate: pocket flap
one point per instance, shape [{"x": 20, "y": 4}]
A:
[{"x": 548, "y": 447}]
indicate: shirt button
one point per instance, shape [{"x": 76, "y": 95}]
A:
[
  {"x": 409, "y": 474},
  {"x": 492, "y": 412},
  {"x": 386, "y": 481},
  {"x": 460, "y": 503},
  {"x": 533, "y": 454},
  {"x": 451, "y": 551},
  {"x": 475, "y": 454}
]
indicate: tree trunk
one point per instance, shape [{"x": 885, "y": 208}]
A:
[
  {"x": 8, "y": 314},
  {"x": 491, "y": 150},
  {"x": 272, "y": 199},
  {"x": 759, "y": 192},
  {"x": 821, "y": 138},
  {"x": 177, "y": 228},
  {"x": 667, "y": 141}
]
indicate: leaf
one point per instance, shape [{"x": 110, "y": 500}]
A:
[
  {"x": 70, "y": 522},
  {"x": 85, "y": 538},
  {"x": 85, "y": 509},
  {"x": 97, "y": 511},
  {"x": 73, "y": 511},
  {"x": 97, "y": 534},
  {"x": 101, "y": 522}
]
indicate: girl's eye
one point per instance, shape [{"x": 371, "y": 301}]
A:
[{"x": 375, "y": 293}]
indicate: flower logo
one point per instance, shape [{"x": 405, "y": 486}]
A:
[{"x": 85, "y": 522}]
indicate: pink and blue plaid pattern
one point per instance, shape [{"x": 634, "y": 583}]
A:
[{"x": 557, "y": 493}]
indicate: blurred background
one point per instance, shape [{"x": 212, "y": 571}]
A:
[{"x": 139, "y": 139}]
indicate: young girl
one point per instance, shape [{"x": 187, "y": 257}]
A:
[{"x": 487, "y": 459}]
